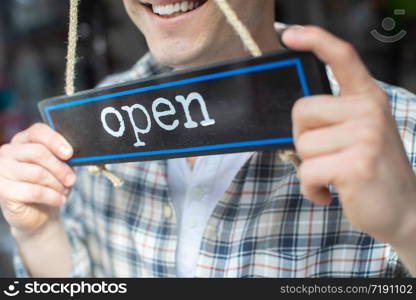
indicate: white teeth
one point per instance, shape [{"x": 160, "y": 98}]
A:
[
  {"x": 170, "y": 9},
  {"x": 184, "y": 6}
]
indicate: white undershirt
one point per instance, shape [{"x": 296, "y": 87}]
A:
[{"x": 195, "y": 193}]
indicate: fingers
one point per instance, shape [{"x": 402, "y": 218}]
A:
[
  {"x": 338, "y": 169},
  {"x": 315, "y": 175},
  {"x": 30, "y": 173},
  {"x": 348, "y": 68},
  {"x": 44, "y": 135},
  {"x": 319, "y": 111},
  {"x": 317, "y": 194},
  {"x": 39, "y": 154},
  {"x": 327, "y": 140},
  {"x": 33, "y": 177},
  {"x": 29, "y": 193}
]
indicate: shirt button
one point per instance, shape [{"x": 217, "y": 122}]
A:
[
  {"x": 197, "y": 193},
  {"x": 168, "y": 212},
  {"x": 193, "y": 223}
]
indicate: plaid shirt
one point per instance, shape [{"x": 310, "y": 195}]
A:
[{"x": 262, "y": 226}]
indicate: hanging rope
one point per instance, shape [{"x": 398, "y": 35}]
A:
[
  {"x": 241, "y": 30},
  {"x": 72, "y": 48},
  {"x": 102, "y": 170},
  {"x": 70, "y": 80},
  {"x": 248, "y": 41}
]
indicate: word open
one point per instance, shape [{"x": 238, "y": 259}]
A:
[{"x": 161, "y": 107}]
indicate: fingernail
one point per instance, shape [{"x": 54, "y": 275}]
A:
[
  {"x": 66, "y": 191},
  {"x": 292, "y": 33},
  {"x": 70, "y": 180},
  {"x": 281, "y": 33},
  {"x": 65, "y": 151},
  {"x": 296, "y": 28}
]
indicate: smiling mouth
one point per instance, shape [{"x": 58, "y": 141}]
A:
[{"x": 174, "y": 9}]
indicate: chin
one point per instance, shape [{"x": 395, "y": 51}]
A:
[
  {"x": 181, "y": 53},
  {"x": 179, "y": 40},
  {"x": 175, "y": 59}
]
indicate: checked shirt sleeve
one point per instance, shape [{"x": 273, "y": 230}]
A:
[
  {"x": 395, "y": 267},
  {"x": 73, "y": 217}
]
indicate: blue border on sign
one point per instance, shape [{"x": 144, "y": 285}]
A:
[{"x": 252, "y": 69}]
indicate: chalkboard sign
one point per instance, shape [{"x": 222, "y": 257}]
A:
[{"x": 236, "y": 106}]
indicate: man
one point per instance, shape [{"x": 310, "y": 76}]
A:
[{"x": 238, "y": 215}]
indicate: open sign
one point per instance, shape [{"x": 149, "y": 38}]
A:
[{"x": 242, "y": 105}]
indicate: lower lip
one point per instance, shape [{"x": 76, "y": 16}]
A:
[{"x": 172, "y": 21}]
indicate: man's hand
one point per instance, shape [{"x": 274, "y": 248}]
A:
[
  {"x": 352, "y": 143},
  {"x": 34, "y": 182}
]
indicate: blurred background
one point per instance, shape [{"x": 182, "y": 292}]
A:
[{"x": 33, "y": 37}]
